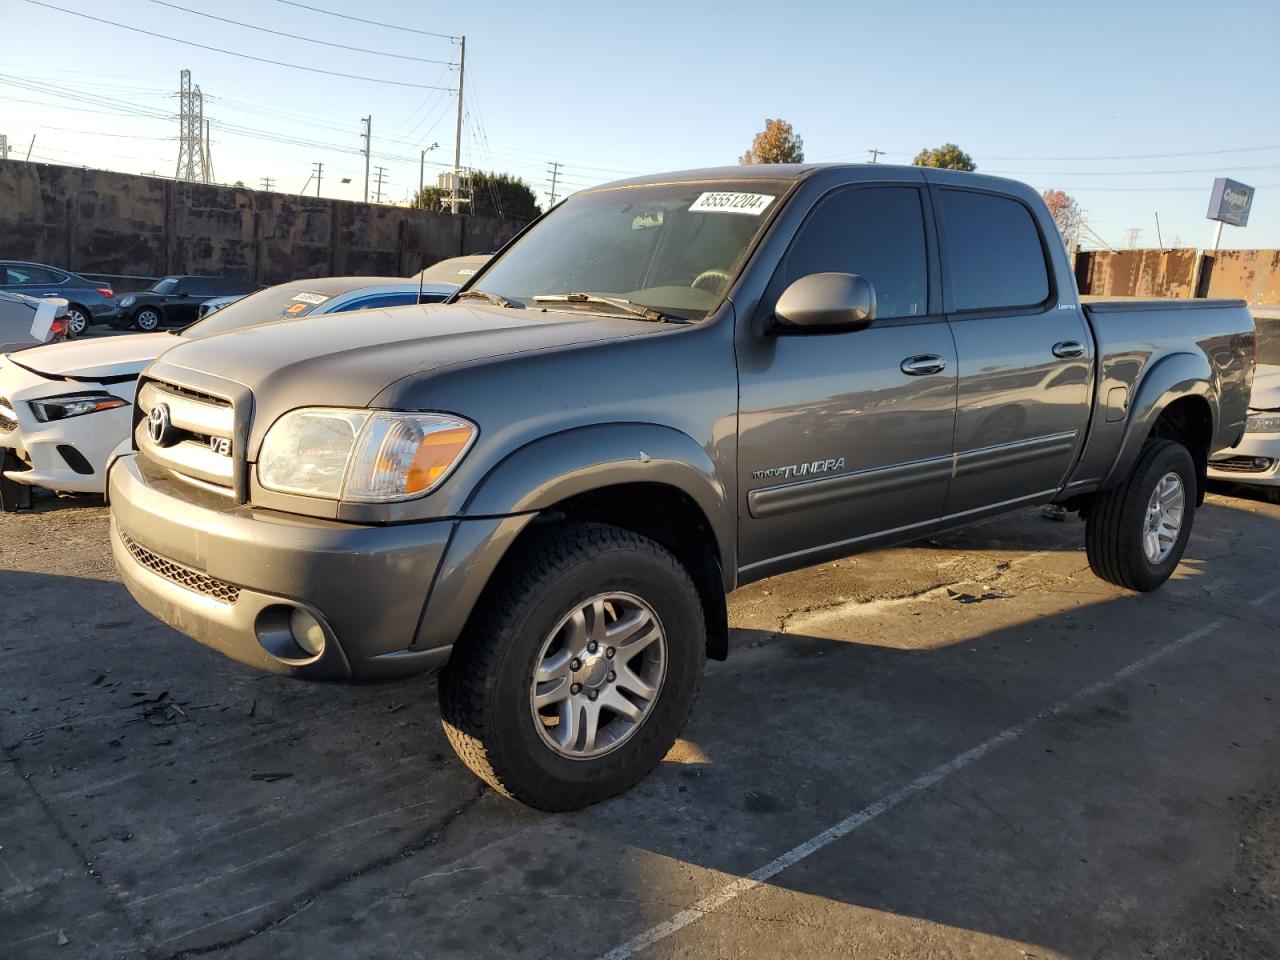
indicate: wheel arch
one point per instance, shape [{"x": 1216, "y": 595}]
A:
[
  {"x": 647, "y": 478},
  {"x": 1175, "y": 400}
]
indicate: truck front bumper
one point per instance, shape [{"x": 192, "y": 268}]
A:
[{"x": 292, "y": 595}]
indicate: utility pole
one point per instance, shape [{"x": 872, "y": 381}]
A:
[
  {"x": 555, "y": 179},
  {"x": 368, "y": 144},
  {"x": 875, "y": 154},
  {"x": 422, "y": 168},
  {"x": 382, "y": 171},
  {"x": 191, "y": 148},
  {"x": 32, "y": 145},
  {"x": 4, "y": 146},
  {"x": 268, "y": 183},
  {"x": 319, "y": 169},
  {"x": 457, "y": 141}
]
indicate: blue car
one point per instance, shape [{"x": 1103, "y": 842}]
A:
[{"x": 88, "y": 301}]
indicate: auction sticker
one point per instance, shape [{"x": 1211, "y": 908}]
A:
[
  {"x": 315, "y": 298},
  {"x": 752, "y": 204}
]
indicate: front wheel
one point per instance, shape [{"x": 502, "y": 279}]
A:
[
  {"x": 1136, "y": 533},
  {"x": 147, "y": 320},
  {"x": 579, "y": 668}
]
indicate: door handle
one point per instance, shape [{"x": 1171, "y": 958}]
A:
[
  {"x": 923, "y": 365},
  {"x": 1066, "y": 349}
]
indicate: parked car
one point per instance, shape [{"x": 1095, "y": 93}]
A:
[
  {"x": 174, "y": 301},
  {"x": 31, "y": 321},
  {"x": 216, "y": 304},
  {"x": 88, "y": 301},
  {"x": 454, "y": 270},
  {"x": 72, "y": 405},
  {"x": 665, "y": 389},
  {"x": 1256, "y": 461}
]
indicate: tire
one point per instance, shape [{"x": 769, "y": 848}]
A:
[
  {"x": 78, "y": 319},
  {"x": 487, "y": 688},
  {"x": 1118, "y": 520},
  {"x": 147, "y": 319}
]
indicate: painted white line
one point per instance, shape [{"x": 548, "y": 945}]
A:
[{"x": 736, "y": 888}]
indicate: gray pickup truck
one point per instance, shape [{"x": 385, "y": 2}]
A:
[{"x": 662, "y": 390}]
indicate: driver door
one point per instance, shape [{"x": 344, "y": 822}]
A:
[{"x": 845, "y": 437}]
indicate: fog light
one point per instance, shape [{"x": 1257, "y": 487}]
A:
[
  {"x": 307, "y": 632},
  {"x": 1262, "y": 463}
]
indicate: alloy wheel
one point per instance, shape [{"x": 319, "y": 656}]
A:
[
  {"x": 1163, "y": 521},
  {"x": 598, "y": 675}
]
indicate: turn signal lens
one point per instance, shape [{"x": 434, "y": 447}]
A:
[
  {"x": 402, "y": 455},
  {"x": 436, "y": 454}
]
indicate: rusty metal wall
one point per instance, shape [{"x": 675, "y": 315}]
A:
[
  {"x": 1252, "y": 275},
  {"x": 94, "y": 221}
]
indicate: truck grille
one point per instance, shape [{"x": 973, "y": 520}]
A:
[
  {"x": 185, "y": 577},
  {"x": 8, "y": 419},
  {"x": 1242, "y": 464},
  {"x": 196, "y": 439}
]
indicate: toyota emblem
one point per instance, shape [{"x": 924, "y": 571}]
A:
[{"x": 159, "y": 426}]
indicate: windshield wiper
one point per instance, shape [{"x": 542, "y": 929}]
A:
[
  {"x": 636, "y": 310},
  {"x": 486, "y": 296}
]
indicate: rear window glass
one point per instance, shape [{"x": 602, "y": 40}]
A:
[
  {"x": 264, "y": 306},
  {"x": 993, "y": 252}
]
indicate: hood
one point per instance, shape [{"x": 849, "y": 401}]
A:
[
  {"x": 96, "y": 359},
  {"x": 347, "y": 359},
  {"x": 1266, "y": 387}
]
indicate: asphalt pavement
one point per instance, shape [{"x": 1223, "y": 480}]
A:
[{"x": 968, "y": 747}]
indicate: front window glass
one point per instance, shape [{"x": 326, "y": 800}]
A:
[
  {"x": 164, "y": 286},
  {"x": 673, "y": 247},
  {"x": 265, "y": 306}
]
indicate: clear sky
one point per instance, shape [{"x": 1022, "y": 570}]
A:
[{"x": 1130, "y": 107}]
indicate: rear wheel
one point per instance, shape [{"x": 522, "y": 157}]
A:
[
  {"x": 77, "y": 319},
  {"x": 147, "y": 319},
  {"x": 579, "y": 668},
  {"x": 1136, "y": 533}
]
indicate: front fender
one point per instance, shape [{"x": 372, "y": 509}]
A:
[
  {"x": 563, "y": 465},
  {"x": 1168, "y": 379}
]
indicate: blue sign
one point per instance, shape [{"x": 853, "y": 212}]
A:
[{"x": 1230, "y": 202}]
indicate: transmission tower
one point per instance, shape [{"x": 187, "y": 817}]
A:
[
  {"x": 1131, "y": 237},
  {"x": 192, "y": 152}
]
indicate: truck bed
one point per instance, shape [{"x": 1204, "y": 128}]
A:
[{"x": 1211, "y": 339}]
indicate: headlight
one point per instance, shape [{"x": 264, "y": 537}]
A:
[
  {"x": 128, "y": 301},
  {"x": 362, "y": 455},
  {"x": 1263, "y": 422},
  {"x": 73, "y": 405}
]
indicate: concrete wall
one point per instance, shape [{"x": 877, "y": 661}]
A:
[
  {"x": 1251, "y": 275},
  {"x": 94, "y": 221}
]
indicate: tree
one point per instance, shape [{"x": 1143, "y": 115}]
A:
[
  {"x": 948, "y": 156},
  {"x": 239, "y": 183},
  {"x": 776, "y": 143},
  {"x": 497, "y": 195},
  {"x": 1066, "y": 214}
]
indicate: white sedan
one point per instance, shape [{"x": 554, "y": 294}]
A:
[
  {"x": 64, "y": 408},
  {"x": 1256, "y": 460}
]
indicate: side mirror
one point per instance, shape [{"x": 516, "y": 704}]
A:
[
  {"x": 826, "y": 303},
  {"x": 183, "y": 293}
]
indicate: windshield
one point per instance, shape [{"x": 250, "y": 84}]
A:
[
  {"x": 275, "y": 303},
  {"x": 164, "y": 285},
  {"x": 674, "y": 247}
]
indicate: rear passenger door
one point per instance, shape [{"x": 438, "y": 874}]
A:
[
  {"x": 1025, "y": 364},
  {"x": 845, "y": 436}
]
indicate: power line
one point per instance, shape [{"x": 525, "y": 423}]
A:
[
  {"x": 376, "y": 23},
  {"x": 294, "y": 36},
  {"x": 232, "y": 53}
]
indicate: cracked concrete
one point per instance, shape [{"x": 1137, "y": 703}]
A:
[{"x": 159, "y": 801}]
